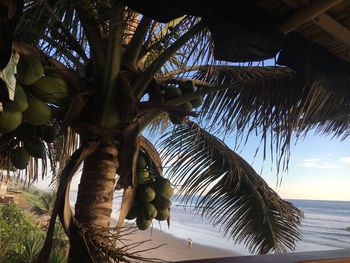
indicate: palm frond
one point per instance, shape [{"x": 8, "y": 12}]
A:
[
  {"x": 36, "y": 167},
  {"x": 38, "y": 210},
  {"x": 226, "y": 188},
  {"x": 31, "y": 248},
  {"x": 274, "y": 102},
  {"x": 47, "y": 201},
  {"x": 55, "y": 27},
  {"x": 325, "y": 112}
]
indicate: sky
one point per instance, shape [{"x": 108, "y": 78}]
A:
[{"x": 319, "y": 169}]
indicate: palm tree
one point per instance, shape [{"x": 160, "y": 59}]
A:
[
  {"x": 118, "y": 65},
  {"x": 47, "y": 201}
]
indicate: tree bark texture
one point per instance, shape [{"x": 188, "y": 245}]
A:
[{"x": 95, "y": 192}]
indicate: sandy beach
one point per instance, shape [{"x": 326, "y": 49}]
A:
[{"x": 174, "y": 249}]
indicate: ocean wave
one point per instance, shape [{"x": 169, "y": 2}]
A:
[
  {"x": 328, "y": 235},
  {"x": 323, "y": 242},
  {"x": 322, "y": 217},
  {"x": 335, "y": 228},
  {"x": 326, "y": 232},
  {"x": 325, "y": 226}
]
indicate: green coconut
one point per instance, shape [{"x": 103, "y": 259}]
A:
[
  {"x": 161, "y": 202},
  {"x": 19, "y": 158},
  {"x": 162, "y": 187},
  {"x": 146, "y": 194},
  {"x": 26, "y": 130},
  {"x": 35, "y": 147},
  {"x": 143, "y": 177},
  {"x": 55, "y": 75},
  {"x": 50, "y": 89},
  {"x": 141, "y": 162},
  {"x": 38, "y": 113},
  {"x": 163, "y": 214},
  {"x": 172, "y": 92},
  {"x": 132, "y": 213},
  {"x": 20, "y": 102},
  {"x": 187, "y": 87},
  {"x": 187, "y": 106},
  {"x": 178, "y": 118},
  {"x": 197, "y": 102},
  {"x": 148, "y": 211},
  {"x": 142, "y": 223},
  {"x": 48, "y": 133},
  {"x": 29, "y": 70},
  {"x": 9, "y": 121},
  {"x": 175, "y": 119}
]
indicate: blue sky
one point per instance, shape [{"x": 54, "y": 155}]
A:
[{"x": 319, "y": 168}]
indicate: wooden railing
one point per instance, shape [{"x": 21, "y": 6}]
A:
[{"x": 328, "y": 256}]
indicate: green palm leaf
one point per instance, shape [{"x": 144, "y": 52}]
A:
[
  {"x": 47, "y": 201},
  {"x": 274, "y": 102},
  {"x": 31, "y": 248},
  {"x": 226, "y": 188},
  {"x": 57, "y": 257},
  {"x": 55, "y": 27}
]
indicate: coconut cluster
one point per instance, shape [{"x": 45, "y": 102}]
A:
[
  {"x": 29, "y": 114},
  {"x": 153, "y": 194},
  {"x": 172, "y": 92}
]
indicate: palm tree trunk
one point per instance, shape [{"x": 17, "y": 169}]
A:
[{"x": 95, "y": 192}]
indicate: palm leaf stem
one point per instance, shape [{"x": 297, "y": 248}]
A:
[
  {"x": 133, "y": 50},
  {"x": 163, "y": 58},
  {"x": 71, "y": 40},
  {"x": 178, "y": 71},
  {"x": 204, "y": 91},
  {"x": 149, "y": 117},
  {"x": 65, "y": 52},
  {"x": 174, "y": 23},
  {"x": 112, "y": 64},
  {"x": 155, "y": 40},
  {"x": 93, "y": 33},
  {"x": 196, "y": 82}
]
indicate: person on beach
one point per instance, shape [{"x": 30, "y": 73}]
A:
[{"x": 189, "y": 243}]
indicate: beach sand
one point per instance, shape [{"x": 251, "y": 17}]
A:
[{"x": 173, "y": 248}]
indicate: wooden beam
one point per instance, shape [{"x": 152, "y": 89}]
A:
[
  {"x": 334, "y": 28},
  {"x": 326, "y": 22},
  {"x": 306, "y": 14}
]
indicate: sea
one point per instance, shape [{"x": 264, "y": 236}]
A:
[{"x": 325, "y": 226}]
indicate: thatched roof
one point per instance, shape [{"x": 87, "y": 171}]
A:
[
  {"x": 325, "y": 22},
  {"x": 310, "y": 37},
  {"x": 330, "y": 29}
]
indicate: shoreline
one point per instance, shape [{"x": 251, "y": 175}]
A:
[{"x": 171, "y": 249}]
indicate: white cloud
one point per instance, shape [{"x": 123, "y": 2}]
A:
[
  {"x": 316, "y": 163},
  {"x": 311, "y": 160},
  {"x": 345, "y": 160},
  {"x": 320, "y": 165}
]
